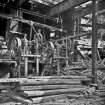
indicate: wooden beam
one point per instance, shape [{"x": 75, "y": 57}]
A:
[
  {"x": 19, "y": 99},
  {"x": 52, "y": 97},
  {"x": 10, "y": 103},
  {"x": 29, "y": 22},
  {"x": 52, "y": 103},
  {"x": 94, "y": 42},
  {"x": 82, "y": 12},
  {"x": 66, "y": 5},
  {"x": 42, "y": 79},
  {"x": 24, "y": 81},
  {"x": 59, "y": 77},
  {"x": 74, "y": 37},
  {"x": 31, "y": 13},
  {"x": 50, "y": 81},
  {"x": 48, "y": 87},
  {"x": 38, "y": 100},
  {"x": 85, "y": 11},
  {"x": 50, "y": 92}
]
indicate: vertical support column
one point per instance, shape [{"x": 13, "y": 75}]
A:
[
  {"x": 75, "y": 27},
  {"x": 66, "y": 51},
  {"x": 72, "y": 50},
  {"x": 37, "y": 65},
  {"x": 78, "y": 26},
  {"x": 14, "y": 24},
  {"x": 37, "y": 58},
  {"x": 26, "y": 53},
  {"x": 73, "y": 40},
  {"x": 31, "y": 26},
  {"x": 75, "y": 51},
  {"x": 94, "y": 43},
  {"x": 26, "y": 66},
  {"x": 58, "y": 61}
]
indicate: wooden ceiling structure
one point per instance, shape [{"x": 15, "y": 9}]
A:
[
  {"x": 54, "y": 7},
  {"x": 47, "y": 7},
  {"x": 65, "y": 5}
]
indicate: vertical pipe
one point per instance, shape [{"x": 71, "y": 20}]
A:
[
  {"x": 31, "y": 32},
  {"x": 94, "y": 43}
]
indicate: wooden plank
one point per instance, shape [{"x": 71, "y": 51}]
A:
[
  {"x": 98, "y": 26},
  {"x": 43, "y": 80},
  {"x": 85, "y": 11},
  {"x": 49, "y": 82},
  {"x": 76, "y": 36},
  {"x": 50, "y": 92},
  {"x": 49, "y": 87},
  {"x": 31, "y": 12},
  {"x": 18, "y": 98},
  {"x": 82, "y": 12},
  {"x": 10, "y": 103},
  {"x": 24, "y": 81},
  {"x": 17, "y": 80},
  {"x": 54, "y": 103},
  {"x": 66, "y": 5},
  {"x": 59, "y": 77},
  {"x": 40, "y": 25},
  {"x": 50, "y": 98}
]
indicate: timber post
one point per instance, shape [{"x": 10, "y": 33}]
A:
[{"x": 94, "y": 43}]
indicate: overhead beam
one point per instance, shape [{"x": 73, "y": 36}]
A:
[
  {"x": 74, "y": 37},
  {"x": 82, "y": 12},
  {"x": 79, "y": 13},
  {"x": 31, "y": 12},
  {"x": 66, "y": 5}
]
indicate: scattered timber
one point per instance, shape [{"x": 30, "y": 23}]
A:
[
  {"x": 51, "y": 92},
  {"x": 10, "y": 103},
  {"x": 19, "y": 99},
  {"x": 53, "y": 103},
  {"x": 24, "y": 81},
  {"x": 59, "y": 77},
  {"x": 49, "y": 87},
  {"x": 48, "y": 98},
  {"x": 36, "y": 90},
  {"x": 45, "y": 99}
]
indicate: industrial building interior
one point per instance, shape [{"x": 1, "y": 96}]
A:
[{"x": 52, "y": 52}]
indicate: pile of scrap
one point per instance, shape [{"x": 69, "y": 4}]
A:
[
  {"x": 101, "y": 91},
  {"x": 38, "y": 90},
  {"x": 75, "y": 68},
  {"x": 84, "y": 68}
]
